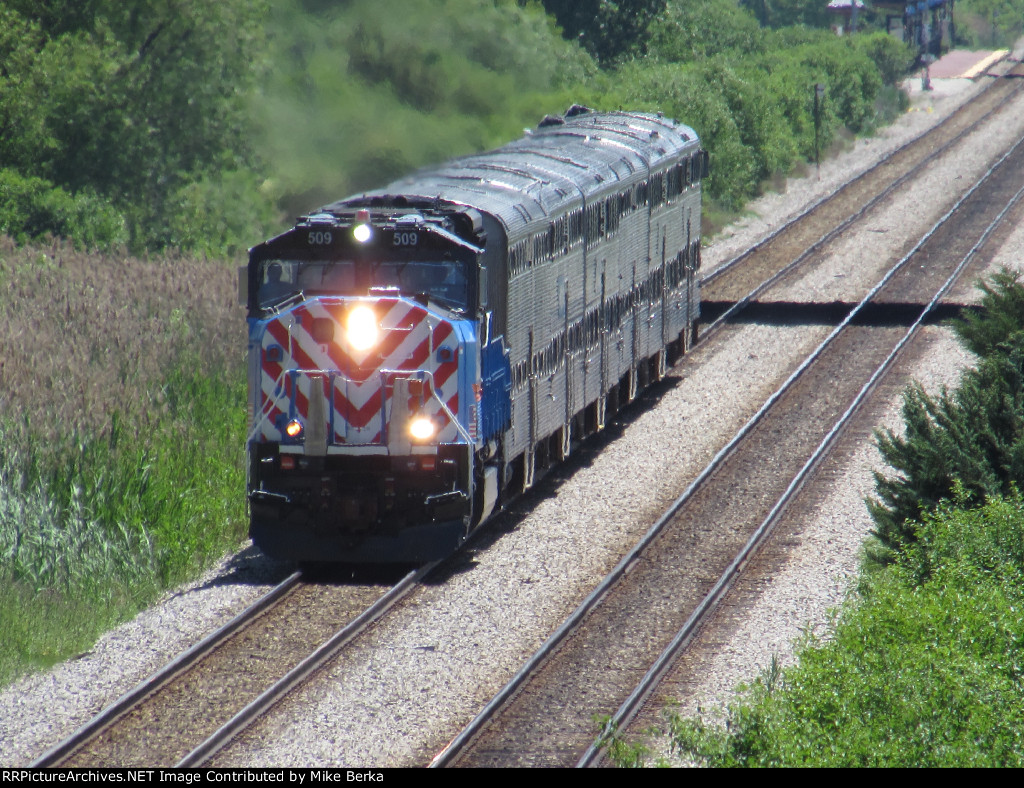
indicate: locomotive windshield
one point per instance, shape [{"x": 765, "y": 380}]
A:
[
  {"x": 444, "y": 282},
  {"x": 281, "y": 282}
]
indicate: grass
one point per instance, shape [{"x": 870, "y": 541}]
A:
[{"x": 121, "y": 432}]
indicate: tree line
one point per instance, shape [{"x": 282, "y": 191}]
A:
[{"x": 206, "y": 126}]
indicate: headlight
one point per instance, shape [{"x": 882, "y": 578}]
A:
[
  {"x": 421, "y": 428},
  {"x": 293, "y": 429},
  {"x": 361, "y": 328},
  {"x": 362, "y": 233},
  {"x": 363, "y": 230}
]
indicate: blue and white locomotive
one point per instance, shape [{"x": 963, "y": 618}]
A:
[{"x": 417, "y": 354}]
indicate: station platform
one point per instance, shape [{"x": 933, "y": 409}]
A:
[
  {"x": 956, "y": 72},
  {"x": 964, "y": 64}
]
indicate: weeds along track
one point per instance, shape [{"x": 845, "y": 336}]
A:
[
  {"x": 613, "y": 650},
  {"x": 738, "y": 281},
  {"x": 185, "y": 712}
]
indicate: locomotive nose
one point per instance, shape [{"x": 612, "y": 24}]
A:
[{"x": 372, "y": 372}]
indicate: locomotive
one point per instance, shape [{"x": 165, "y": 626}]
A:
[{"x": 418, "y": 354}]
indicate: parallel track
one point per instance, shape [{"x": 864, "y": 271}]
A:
[
  {"x": 745, "y": 276},
  {"x": 540, "y": 717},
  {"x": 619, "y": 721}
]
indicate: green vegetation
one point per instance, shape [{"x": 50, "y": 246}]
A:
[
  {"x": 136, "y": 102},
  {"x": 120, "y": 440},
  {"x": 31, "y": 208},
  {"x": 607, "y": 30},
  {"x": 925, "y": 666},
  {"x": 971, "y": 439},
  {"x": 369, "y": 90},
  {"x": 749, "y": 92},
  {"x": 920, "y": 671},
  {"x": 989, "y": 23},
  {"x": 206, "y": 126}
]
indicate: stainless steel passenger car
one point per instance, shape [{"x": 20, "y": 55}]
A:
[{"x": 576, "y": 250}]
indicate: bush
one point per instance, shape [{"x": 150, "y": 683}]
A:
[
  {"x": 972, "y": 437},
  {"x": 31, "y": 208},
  {"x": 923, "y": 670},
  {"x": 892, "y": 57},
  {"x": 851, "y": 81},
  {"x": 351, "y": 85},
  {"x": 999, "y": 317},
  {"x": 685, "y": 94},
  {"x": 684, "y": 32},
  {"x": 970, "y": 440},
  {"x": 219, "y": 216}
]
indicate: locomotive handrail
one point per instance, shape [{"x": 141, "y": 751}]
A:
[
  {"x": 463, "y": 432},
  {"x": 264, "y": 412}
]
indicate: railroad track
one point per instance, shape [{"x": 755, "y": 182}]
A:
[
  {"x": 133, "y": 745},
  {"x": 187, "y": 711},
  {"x": 622, "y": 639},
  {"x": 738, "y": 281}
]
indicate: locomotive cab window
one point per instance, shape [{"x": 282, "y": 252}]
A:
[
  {"x": 280, "y": 281},
  {"x": 444, "y": 281}
]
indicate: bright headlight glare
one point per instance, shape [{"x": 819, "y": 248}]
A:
[
  {"x": 293, "y": 428},
  {"x": 362, "y": 233},
  {"x": 421, "y": 428},
  {"x": 362, "y": 328}
]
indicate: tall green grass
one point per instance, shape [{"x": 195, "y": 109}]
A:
[
  {"x": 92, "y": 530},
  {"x": 122, "y": 419}
]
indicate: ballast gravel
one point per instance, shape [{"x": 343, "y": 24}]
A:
[{"x": 396, "y": 699}]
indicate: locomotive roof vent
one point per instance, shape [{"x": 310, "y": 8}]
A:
[{"x": 577, "y": 109}]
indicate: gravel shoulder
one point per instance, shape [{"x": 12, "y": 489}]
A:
[{"x": 394, "y": 701}]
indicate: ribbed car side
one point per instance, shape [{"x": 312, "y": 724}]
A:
[{"x": 436, "y": 344}]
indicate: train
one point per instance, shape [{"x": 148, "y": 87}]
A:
[{"x": 418, "y": 355}]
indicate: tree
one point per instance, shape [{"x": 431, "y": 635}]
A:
[
  {"x": 970, "y": 440},
  {"x": 606, "y": 29},
  {"x": 783, "y": 13},
  {"x": 1000, "y": 316},
  {"x": 687, "y": 31},
  {"x": 134, "y": 99}
]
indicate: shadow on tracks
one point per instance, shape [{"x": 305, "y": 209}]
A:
[{"x": 794, "y": 313}]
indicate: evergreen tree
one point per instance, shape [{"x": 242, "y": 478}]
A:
[
  {"x": 969, "y": 442},
  {"x": 1000, "y": 316}
]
